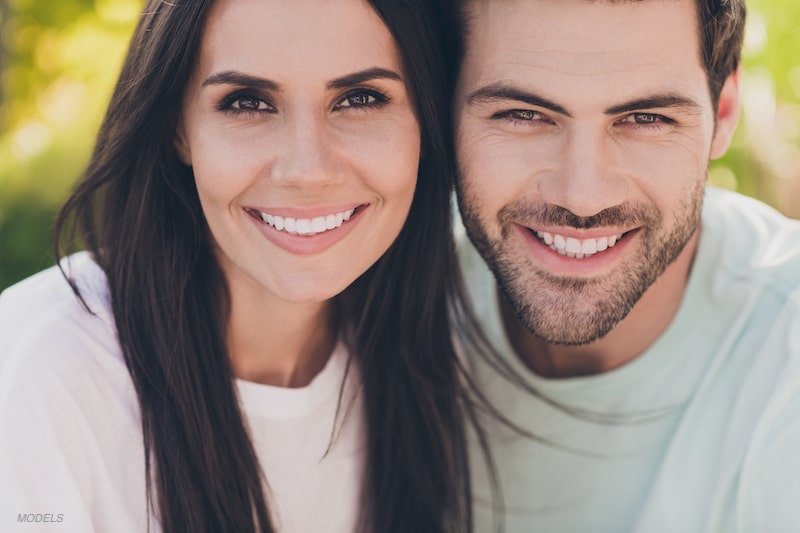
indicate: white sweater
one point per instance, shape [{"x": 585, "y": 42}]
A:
[{"x": 71, "y": 453}]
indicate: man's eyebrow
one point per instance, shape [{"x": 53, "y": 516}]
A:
[
  {"x": 232, "y": 77},
  {"x": 363, "y": 75},
  {"x": 501, "y": 91},
  {"x": 655, "y": 101}
]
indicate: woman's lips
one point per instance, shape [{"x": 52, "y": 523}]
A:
[
  {"x": 305, "y": 226},
  {"x": 306, "y": 235}
]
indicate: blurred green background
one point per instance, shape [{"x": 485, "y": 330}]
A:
[{"x": 59, "y": 60}]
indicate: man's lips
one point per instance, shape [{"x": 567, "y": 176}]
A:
[
  {"x": 580, "y": 246},
  {"x": 576, "y": 246}
]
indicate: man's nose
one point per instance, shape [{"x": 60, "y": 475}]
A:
[{"x": 586, "y": 179}]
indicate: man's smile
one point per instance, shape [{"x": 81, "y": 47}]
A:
[{"x": 577, "y": 248}]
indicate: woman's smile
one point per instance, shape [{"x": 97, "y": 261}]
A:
[
  {"x": 304, "y": 226},
  {"x": 307, "y": 235}
]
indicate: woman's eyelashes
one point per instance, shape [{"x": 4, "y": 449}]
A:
[
  {"x": 362, "y": 98},
  {"x": 244, "y": 102}
]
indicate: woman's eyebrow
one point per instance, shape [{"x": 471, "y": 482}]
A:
[
  {"x": 363, "y": 75},
  {"x": 233, "y": 77}
]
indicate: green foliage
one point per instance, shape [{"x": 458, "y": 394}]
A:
[
  {"x": 764, "y": 159},
  {"x": 60, "y": 58}
]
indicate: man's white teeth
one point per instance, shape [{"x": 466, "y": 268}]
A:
[
  {"x": 307, "y": 226},
  {"x": 577, "y": 248}
]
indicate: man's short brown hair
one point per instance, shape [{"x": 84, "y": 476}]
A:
[{"x": 721, "y": 25}]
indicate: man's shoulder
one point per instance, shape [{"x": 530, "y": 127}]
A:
[
  {"x": 756, "y": 251},
  {"x": 747, "y": 285},
  {"x": 751, "y": 241},
  {"x": 731, "y": 211},
  {"x": 769, "y": 485}
]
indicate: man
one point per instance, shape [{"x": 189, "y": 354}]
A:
[{"x": 655, "y": 324}]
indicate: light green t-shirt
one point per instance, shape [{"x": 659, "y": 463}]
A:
[{"x": 710, "y": 436}]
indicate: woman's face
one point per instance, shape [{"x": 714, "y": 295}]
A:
[{"x": 304, "y": 142}]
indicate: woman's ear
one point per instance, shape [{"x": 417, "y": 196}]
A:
[
  {"x": 727, "y": 115},
  {"x": 182, "y": 145}
]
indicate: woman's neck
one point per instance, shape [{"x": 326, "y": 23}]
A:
[{"x": 279, "y": 343}]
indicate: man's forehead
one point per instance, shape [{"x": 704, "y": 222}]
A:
[
  {"x": 589, "y": 37},
  {"x": 574, "y": 51},
  {"x": 498, "y": 16},
  {"x": 470, "y": 4}
]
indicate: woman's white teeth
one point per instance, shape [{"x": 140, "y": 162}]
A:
[
  {"x": 307, "y": 226},
  {"x": 577, "y": 248}
]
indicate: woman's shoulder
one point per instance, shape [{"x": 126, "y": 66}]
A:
[
  {"x": 44, "y": 327},
  {"x": 58, "y": 360},
  {"x": 71, "y": 430}
]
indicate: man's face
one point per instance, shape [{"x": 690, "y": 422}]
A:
[{"x": 583, "y": 134}]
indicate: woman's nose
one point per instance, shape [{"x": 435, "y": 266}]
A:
[{"x": 305, "y": 156}]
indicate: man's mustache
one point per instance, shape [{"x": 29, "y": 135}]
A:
[{"x": 543, "y": 214}]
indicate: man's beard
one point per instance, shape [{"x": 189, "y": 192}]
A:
[{"x": 574, "y": 311}]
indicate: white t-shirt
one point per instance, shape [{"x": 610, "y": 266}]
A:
[
  {"x": 711, "y": 442},
  {"x": 71, "y": 453}
]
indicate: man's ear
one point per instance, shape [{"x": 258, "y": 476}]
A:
[
  {"x": 727, "y": 115},
  {"x": 182, "y": 145}
]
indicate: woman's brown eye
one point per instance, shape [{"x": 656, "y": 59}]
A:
[{"x": 248, "y": 103}]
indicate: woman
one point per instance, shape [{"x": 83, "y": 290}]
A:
[{"x": 262, "y": 339}]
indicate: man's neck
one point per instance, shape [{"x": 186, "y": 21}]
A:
[{"x": 646, "y": 322}]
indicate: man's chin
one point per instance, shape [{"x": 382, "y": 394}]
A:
[
  {"x": 572, "y": 321},
  {"x": 559, "y": 337}
]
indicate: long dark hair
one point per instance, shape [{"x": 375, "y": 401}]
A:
[{"x": 137, "y": 211}]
